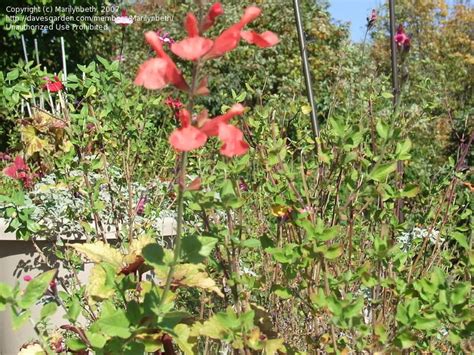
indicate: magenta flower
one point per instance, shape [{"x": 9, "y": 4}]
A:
[
  {"x": 27, "y": 278},
  {"x": 165, "y": 37},
  {"x": 123, "y": 20},
  {"x": 401, "y": 38},
  {"x": 140, "y": 209}
]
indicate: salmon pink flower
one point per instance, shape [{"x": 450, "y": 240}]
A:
[
  {"x": 123, "y": 20},
  {"x": 158, "y": 72},
  {"x": 53, "y": 86},
  {"x": 211, "y": 126},
  {"x": 372, "y": 19},
  {"x": 229, "y": 39},
  {"x": 214, "y": 11},
  {"x": 233, "y": 139},
  {"x": 263, "y": 40},
  {"x": 187, "y": 137},
  {"x": 193, "y": 47}
]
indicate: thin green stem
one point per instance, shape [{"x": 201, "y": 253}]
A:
[{"x": 179, "y": 227}]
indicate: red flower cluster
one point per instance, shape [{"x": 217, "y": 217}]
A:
[
  {"x": 53, "y": 86},
  {"x": 159, "y": 72},
  {"x": 402, "y": 38},
  {"x": 18, "y": 170}
]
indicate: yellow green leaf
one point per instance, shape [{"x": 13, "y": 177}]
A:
[{"x": 99, "y": 252}]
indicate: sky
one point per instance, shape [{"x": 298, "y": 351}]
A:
[{"x": 354, "y": 11}]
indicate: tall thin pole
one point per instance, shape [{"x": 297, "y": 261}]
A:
[
  {"x": 393, "y": 49},
  {"x": 396, "y": 95},
  {"x": 306, "y": 71}
]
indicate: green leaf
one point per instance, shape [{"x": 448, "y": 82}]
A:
[
  {"x": 99, "y": 285},
  {"x": 383, "y": 130},
  {"x": 410, "y": 191},
  {"x": 115, "y": 325},
  {"x": 36, "y": 289},
  {"x": 20, "y": 319},
  {"x": 12, "y": 75},
  {"x": 426, "y": 322},
  {"x": 75, "y": 344},
  {"x": 91, "y": 91},
  {"x": 74, "y": 309},
  {"x": 405, "y": 340},
  {"x": 282, "y": 292},
  {"x": 196, "y": 249},
  {"x": 381, "y": 172},
  {"x": 387, "y": 95},
  {"x": 183, "y": 338},
  {"x": 48, "y": 310},
  {"x": 97, "y": 340},
  {"x": 154, "y": 255},
  {"x": 461, "y": 239},
  {"x": 460, "y": 293},
  {"x": 403, "y": 149},
  {"x": 251, "y": 243}
]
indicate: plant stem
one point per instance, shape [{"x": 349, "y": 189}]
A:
[{"x": 179, "y": 228}]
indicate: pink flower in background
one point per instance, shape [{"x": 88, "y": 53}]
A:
[
  {"x": 120, "y": 58},
  {"x": 27, "y": 278},
  {"x": 140, "y": 209},
  {"x": 5, "y": 157},
  {"x": 401, "y": 37},
  {"x": 165, "y": 37},
  {"x": 18, "y": 170},
  {"x": 214, "y": 11},
  {"x": 123, "y": 20},
  {"x": 372, "y": 19},
  {"x": 53, "y": 86}
]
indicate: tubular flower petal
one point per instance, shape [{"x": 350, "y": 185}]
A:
[
  {"x": 191, "y": 25},
  {"x": 211, "y": 127},
  {"x": 229, "y": 39},
  {"x": 233, "y": 140},
  {"x": 152, "y": 74},
  {"x": 214, "y": 11},
  {"x": 192, "y": 48},
  {"x": 187, "y": 138},
  {"x": 172, "y": 74},
  {"x": 262, "y": 40}
]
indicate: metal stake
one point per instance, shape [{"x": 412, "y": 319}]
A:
[
  {"x": 396, "y": 97},
  {"x": 306, "y": 71}
]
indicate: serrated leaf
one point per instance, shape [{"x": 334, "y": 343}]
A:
[
  {"x": 190, "y": 275},
  {"x": 98, "y": 286},
  {"x": 185, "y": 341},
  {"x": 115, "y": 324},
  {"x": 98, "y": 252}
]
